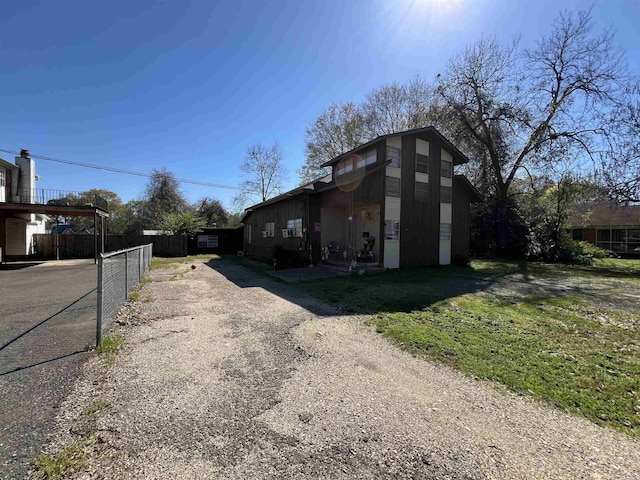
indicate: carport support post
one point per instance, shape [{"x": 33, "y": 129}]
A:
[{"x": 99, "y": 306}]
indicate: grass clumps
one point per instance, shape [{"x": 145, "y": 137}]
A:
[{"x": 53, "y": 466}]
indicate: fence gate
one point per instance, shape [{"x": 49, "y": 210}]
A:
[{"x": 118, "y": 274}]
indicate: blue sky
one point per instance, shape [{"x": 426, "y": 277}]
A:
[{"x": 189, "y": 85}]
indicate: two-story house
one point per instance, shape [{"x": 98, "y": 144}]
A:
[
  {"x": 24, "y": 209},
  {"x": 18, "y": 186},
  {"x": 393, "y": 202}
]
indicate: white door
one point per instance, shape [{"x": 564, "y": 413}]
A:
[
  {"x": 445, "y": 243},
  {"x": 3, "y": 185},
  {"x": 391, "y": 244}
]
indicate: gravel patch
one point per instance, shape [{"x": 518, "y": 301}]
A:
[{"x": 244, "y": 377}]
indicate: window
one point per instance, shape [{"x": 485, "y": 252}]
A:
[
  {"x": 270, "y": 229},
  {"x": 207, "y": 241},
  {"x": 356, "y": 161},
  {"x": 422, "y": 191},
  {"x": 295, "y": 227},
  {"x": 391, "y": 230},
  {"x": 249, "y": 233},
  {"x": 445, "y": 194},
  {"x": 393, "y": 187},
  {"x": 445, "y": 231},
  {"x": 370, "y": 157},
  {"x": 394, "y": 154},
  {"x": 604, "y": 235},
  {"x": 3, "y": 179},
  {"x": 422, "y": 163},
  {"x": 446, "y": 169}
]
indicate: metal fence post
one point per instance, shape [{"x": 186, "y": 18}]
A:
[
  {"x": 126, "y": 275},
  {"x": 100, "y": 301}
]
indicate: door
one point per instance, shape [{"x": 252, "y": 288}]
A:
[
  {"x": 391, "y": 244},
  {"x": 3, "y": 185}
]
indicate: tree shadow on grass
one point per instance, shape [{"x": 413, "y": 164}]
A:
[{"x": 383, "y": 291}]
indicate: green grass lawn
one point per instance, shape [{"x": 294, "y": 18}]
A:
[
  {"x": 601, "y": 267},
  {"x": 579, "y": 351}
]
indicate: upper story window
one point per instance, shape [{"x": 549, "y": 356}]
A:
[
  {"x": 393, "y": 187},
  {"x": 446, "y": 194},
  {"x": 422, "y": 191},
  {"x": 394, "y": 154},
  {"x": 446, "y": 169},
  {"x": 3, "y": 177},
  {"x": 422, "y": 163},
  {"x": 356, "y": 161}
]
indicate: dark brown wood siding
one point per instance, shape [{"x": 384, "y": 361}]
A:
[
  {"x": 419, "y": 221},
  {"x": 287, "y": 209},
  {"x": 461, "y": 223},
  {"x": 314, "y": 228}
]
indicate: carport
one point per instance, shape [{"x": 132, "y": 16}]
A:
[{"x": 18, "y": 210}]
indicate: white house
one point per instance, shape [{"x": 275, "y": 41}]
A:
[{"x": 18, "y": 186}]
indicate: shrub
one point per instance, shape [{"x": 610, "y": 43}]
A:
[{"x": 582, "y": 253}]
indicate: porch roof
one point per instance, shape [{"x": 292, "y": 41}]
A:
[{"x": 67, "y": 210}]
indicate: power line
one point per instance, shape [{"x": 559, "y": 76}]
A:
[{"x": 119, "y": 170}]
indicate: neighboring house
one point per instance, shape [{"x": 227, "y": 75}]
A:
[
  {"x": 24, "y": 209},
  {"x": 17, "y": 185},
  {"x": 393, "y": 202},
  {"x": 608, "y": 225}
]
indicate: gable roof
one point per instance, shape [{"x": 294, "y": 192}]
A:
[{"x": 458, "y": 157}]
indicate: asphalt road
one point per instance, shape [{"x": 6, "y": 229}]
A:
[{"x": 38, "y": 365}]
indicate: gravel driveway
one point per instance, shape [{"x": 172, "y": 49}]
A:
[{"x": 232, "y": 375}]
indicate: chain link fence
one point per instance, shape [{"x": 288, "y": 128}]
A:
[{"x": 118, "y": 274}]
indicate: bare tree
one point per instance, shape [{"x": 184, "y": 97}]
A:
[
  {"x": 263, "y": 171},
  {"x": 337, "y": 130},
  {"x": 527, "y": 109},
  {"x": 621, "y": 164},
  {"x": 397, "y": 107}
]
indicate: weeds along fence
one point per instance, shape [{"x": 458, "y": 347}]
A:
[{"x": 118, "y": 274}]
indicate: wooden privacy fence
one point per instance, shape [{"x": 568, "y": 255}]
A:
[{"x": 83, "y": 246}]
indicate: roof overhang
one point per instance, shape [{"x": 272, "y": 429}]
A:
[
  {"x": 5, "y": 164},
  {"x": 71, "y": 211}
]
